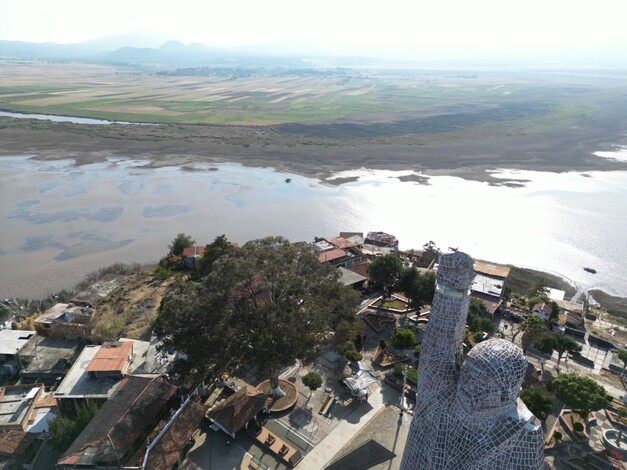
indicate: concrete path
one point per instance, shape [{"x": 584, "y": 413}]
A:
[{"x": 324, "y": 452}]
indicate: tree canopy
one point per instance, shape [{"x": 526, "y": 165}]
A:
[
  {"x": 580, "y": 392},
  {"x": 403, "y": 338},
  {"x": 64, "y": 430},
  {"x": 550, "y": 341},
  {"x": 267, "y": 303},
  {"x": 180, "y": 242},
  {"x": 213, "y": 251},
  {"x": 538, "y": 400},
  {"x": 418, "y": 288},
  {"x": 385, "y": 271},
  {"x": 533, "y": 328},
  {"x": 312, "y": 380}
]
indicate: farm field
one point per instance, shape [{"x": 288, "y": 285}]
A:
[
  {"x": 319, "y": 121},
  {"x": 274, "y": 96}
]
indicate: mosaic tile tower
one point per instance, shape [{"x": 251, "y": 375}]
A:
[{"x": 468, "y": 415}]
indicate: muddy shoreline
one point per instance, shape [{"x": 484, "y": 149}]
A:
[{"x": 262, "y": 147}]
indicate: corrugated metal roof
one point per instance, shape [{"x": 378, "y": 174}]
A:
[
  {"x": 331, "y": 255},
  {"x": 491, "y": 269},
  {"x": 111, "y": 357}
]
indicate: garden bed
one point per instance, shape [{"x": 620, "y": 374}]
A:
[
  {"x": 378, "y": 320},
  {"x": 568, "y": 418},
  {"x": 385, "y": 358}
]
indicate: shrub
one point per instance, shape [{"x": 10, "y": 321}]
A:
[
  {"x": 312, "y": 380},
  {"x": 162, "y": 273},
  {"x": 417, "y": 351},
  {"x": 382, "y": 344},
  {"x": 348, "y": 350},
  {"x": 557, "y": 436},
  {"x": 478, "y": 336},
  {"x": 403, "y": 338},
  {"x": 578, "y": 427},
  {"x": 412, "y": 373}
]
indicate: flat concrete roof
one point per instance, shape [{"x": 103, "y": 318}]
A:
[
  {"x": 47, "y": 355},
  {"x": 487, "y": 285},
  {"x": 12, "y": 341},
  {"x": 15, "y": 402},
  {"x": 348, "y": 277}
]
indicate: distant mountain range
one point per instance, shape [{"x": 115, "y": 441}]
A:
[{"x": 137, "y": 50}]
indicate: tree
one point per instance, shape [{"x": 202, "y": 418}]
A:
[
  {"x": 213, "y": 251},
  {"x": 63, "y": 430},
  {"x": 385, "y": 271},
  {"x": 266, "y": 304},
  {"x": 533, "y": 327},
  {"x": 621, "y": 354},
  {"x": 550, "y": 341},
  {"x": 580, "y": 392},
  {"x": 418, "y": 288},
  {"x": 349, "y": 351},
  {"x": 313, "y": 381},
  {"x": 538, "y": 400},
  {"x": 539, "y": 287},
  {"x": 403, "y": 338},
  {"x": 180, "y": 242}
]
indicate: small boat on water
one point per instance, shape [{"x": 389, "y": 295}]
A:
[{"x": 590, "y": 270}]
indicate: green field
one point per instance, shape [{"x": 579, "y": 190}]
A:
[{"x": 502, "y": 103}]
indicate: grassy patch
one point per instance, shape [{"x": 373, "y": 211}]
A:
[
  {"x": 616, "y": 306},
  {"x": 393, "y": 303},
  {"x": 521, "y": 280}
]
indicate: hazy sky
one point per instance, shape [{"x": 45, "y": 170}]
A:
[{"x": 413, "y": 28}]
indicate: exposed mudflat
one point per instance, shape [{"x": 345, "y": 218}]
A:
[{"x": 318, "y": 150}]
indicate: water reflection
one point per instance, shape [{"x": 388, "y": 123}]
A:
[{"x": 555, "y": 222}]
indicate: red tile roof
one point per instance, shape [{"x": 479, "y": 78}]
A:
[
  {"x": 14, "y": 442},
  {"x": 331, "y": 255},
  {"x": 234, "y": 412},
  {"x": 111, "y": 357},
  {"x": 543, "y": 308},
  {"x": 360, "y": 269},
  {"x": 340, "y": 242},
  {"x": 120, "y": 423},
  {"x": 193, "y": 250},
  {"x": 167, "y": 450}
]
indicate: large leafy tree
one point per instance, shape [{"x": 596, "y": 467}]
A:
[
  {"x": 418, "y": 288},
  {"x": 538, "y": 400},
  {"x": 180, "y": 242},
  {"x": 533, "y": 328},
  {"x": 580, "y": 392},
  {"x": 266, "y": 304},
  {"x": 550, "y": 342},
  {"x": 64, "y": 430},
  {"x": 385, "y": 270},
  {"x": 213, "y": 251}
]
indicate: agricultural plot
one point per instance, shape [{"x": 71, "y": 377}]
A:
[{"x": 145, "y": 95}]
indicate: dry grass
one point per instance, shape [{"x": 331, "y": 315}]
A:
[{"x": 135, "y": 302}]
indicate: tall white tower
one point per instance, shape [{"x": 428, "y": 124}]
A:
[{"x": 468, "y": 415}]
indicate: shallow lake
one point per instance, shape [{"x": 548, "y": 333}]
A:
[{"x": 61, "y": 221}]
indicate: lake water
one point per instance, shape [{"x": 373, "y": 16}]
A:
[
  {"x": 61, "y": 221},
  {"x": 75, "y": 120}
]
